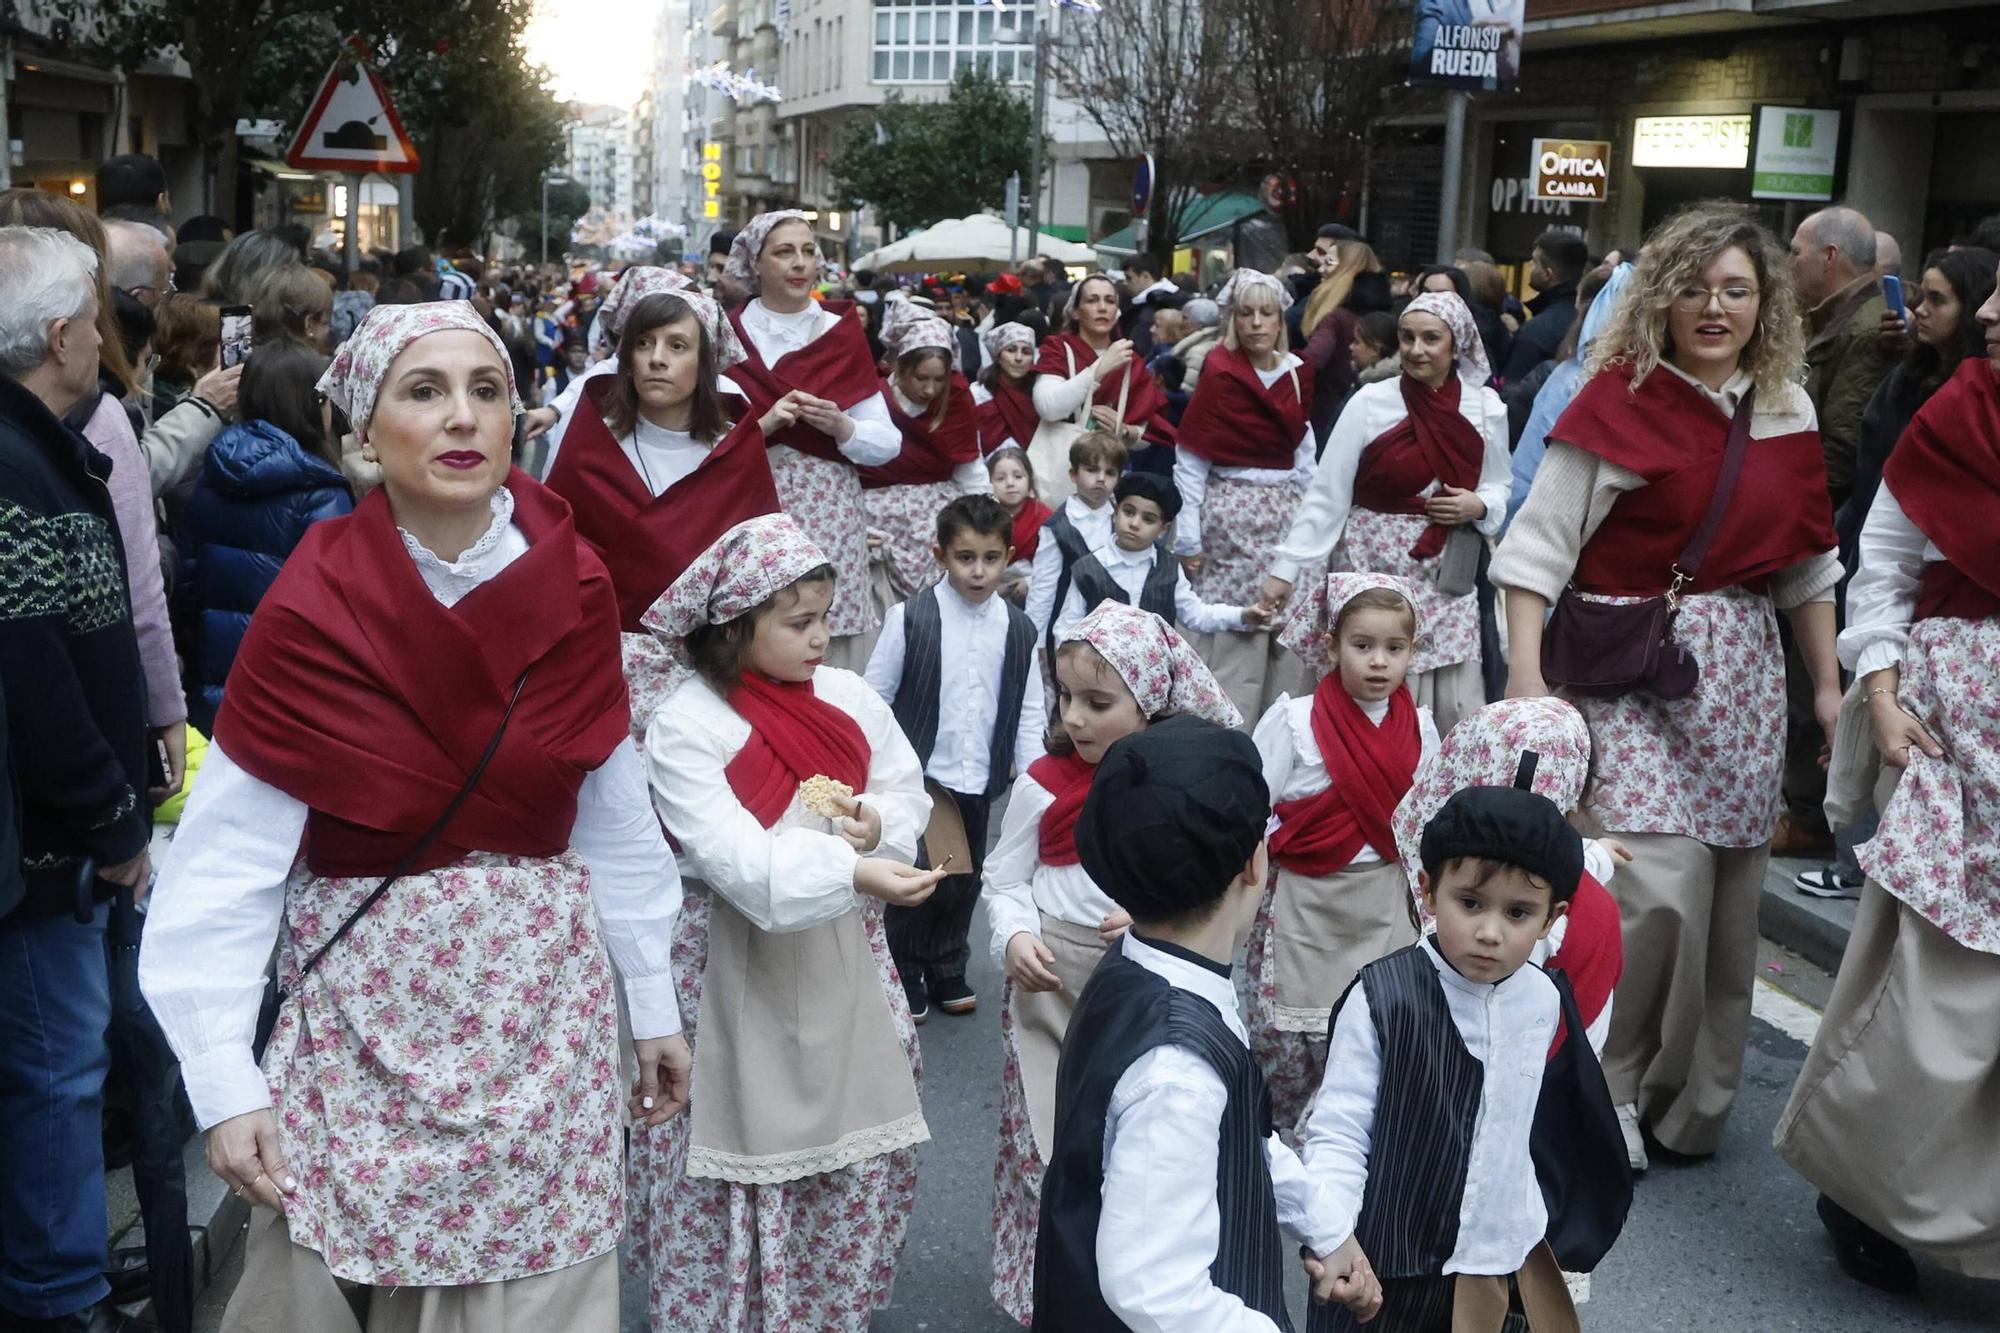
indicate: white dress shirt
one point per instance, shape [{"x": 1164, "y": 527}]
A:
[
  {"x": 1374, "y": 409},
  {"x": 875, "y": 440},
  {"x": 1160, "y": 1225},
  {"x": 972, "y": 652},
  {"x": 1192, "y": 471},
  {"x": 970, "y": 477},
  {"x": 1019, "y": 888},
  {"x": 219, "y": 902},
  {"x": 783, "y": 878},
  {"x": 1294, "y": 768},
  {"x": 1507, "y": 1027},
  {"x": 1130, "y": 570},
  {"x": 1093, "y": 525},
  {"x": 1883, "y": 596}
]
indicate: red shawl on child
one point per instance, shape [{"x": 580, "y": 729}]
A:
[
  {"x": 358, "y": 693},
  {"x": 1067, "y": 778},
  {"x": 1028, "y": 520},
  {"x": 1372, "y": 768},
  {"x": 933, "y": 445},
  {"x": 1433, "y": 442},
  {"x": 1232, "y": 420},
  {"x": 837, "y": 366},
  {"x": 794, "y": 735},
  {"x": 1008, "y": 416},
  {"x": 1146, "y": 405},
  {"x": 1592, "y": 955},
  {"x": 1945, "y": 472}
]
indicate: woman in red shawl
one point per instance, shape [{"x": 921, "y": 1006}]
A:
[
  {"x": 1003, "y": 392},
  {"x": 427, "y": 716},
  {"x": 1087, "y": 376},
  {"x": 1708, "y": 329},
  {"x": 1909, "y": 1026},
  {"x": 1246, "y": 456}
]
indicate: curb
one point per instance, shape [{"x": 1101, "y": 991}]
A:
[
  {"x": 1815, "y": 929},
  {"x": 215, "y": 1216}
]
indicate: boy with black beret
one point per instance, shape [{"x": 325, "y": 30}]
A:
[
  {"x": 1136, "y": 568},
  {"x": 1419, "y": 1136},
  {"x": 1166, "y": 1188}
]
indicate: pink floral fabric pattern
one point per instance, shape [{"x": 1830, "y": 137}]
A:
[
  {"x": 1378, "y": 543},
  {"x": 1938, "y": 849},
  {"x": 1309, "y": 631},
  {"x": 906, "y": 516},
  {"x": 906, "y": 327},
  {"x": 1294, "y": 1063},
  {"x": 636, "y": 284},
  {"x": 745, "y": 566},
  {"x": 1242, "y": 523},
  {"x": 651, "y": 674},
  {"x": 741, "y": 266},
  {"x": 1467, "y": 347},
  {"x": 1243, "y": 281},
  {"x": 1708, "y": 766},
  {"x": 826, "y": 500},
  {"x": 446, "y": 1081},
  {"x": 1006, "y": 335},
  {"x": 1163, "y": 672},
  {"x": 1017, "y": 1181},
  {"x": 359, "y": 367},
  {"x": 815, "y": 1255}
]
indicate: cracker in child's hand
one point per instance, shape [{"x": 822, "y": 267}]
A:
[{"x": 823, "y": 795}]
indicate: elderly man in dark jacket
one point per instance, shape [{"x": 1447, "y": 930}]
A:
[{"x": 76, "y": 732}]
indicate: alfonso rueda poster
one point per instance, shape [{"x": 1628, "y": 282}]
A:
[{"x": 1474, "y": 45}]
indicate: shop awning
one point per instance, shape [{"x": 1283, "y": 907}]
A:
[{"x": 1209, "y": 214}]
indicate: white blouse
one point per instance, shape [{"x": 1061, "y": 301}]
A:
[
  {"x": 875, "y": 440},
  {"x": 1192, "y": 471},
  {"x": 1373, "y": 410},
  {"x": 219, "y": 902},
  {"x": 1093, "y": 525},
  {"x": 1883, "y": 596},
  {"x": 1130, "y": 570},
  {"x": 1019, "y": 888},
  {"x": 1293, "y": 766},
  {"x": 783, "y": 878}
]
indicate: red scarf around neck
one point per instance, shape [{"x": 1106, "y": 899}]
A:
[
  {"x": 933, "y": 445},
  {"x": 1145, "y": 406},
  {"x": 1008, "y": 416},
  {"x": 1067, "y": 778},
  {"x": 794, "y": 735},
  {"x": 837, "y": 366},
  {"x": 1371, "y": 767},
  {"x": 1433, "y": 442},
  {"x": 1028, "y": 520},
  {"x": 1945, "y": 472},
  {"x": 359, "y": 694},
  {"x": 1232, "y": 420}
]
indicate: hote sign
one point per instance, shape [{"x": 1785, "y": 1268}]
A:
[{"x": 1577, "y": 170}]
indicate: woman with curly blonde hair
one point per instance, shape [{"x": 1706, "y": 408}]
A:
[{"x": 1705, "y": 337}]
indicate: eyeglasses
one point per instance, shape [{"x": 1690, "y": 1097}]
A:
[{"x": 1734, "y": 299}]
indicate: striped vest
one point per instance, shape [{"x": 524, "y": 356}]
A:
[
  {"x": 1124, "y": 1012},
  {"x": 1095, "y": 584},
  {"x": 1071, "y": 546},
  {"x": 916, "y": 703}
]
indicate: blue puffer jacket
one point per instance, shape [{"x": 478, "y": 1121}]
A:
[{"x": 258, "y": 492}]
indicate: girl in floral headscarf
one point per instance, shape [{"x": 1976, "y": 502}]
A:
[
  {"x": 461, "y": 915},
  {"x": 1410, "y": 460},
  {"x": 1003, "y": 391},
  {"x": 1119, "y": 670},
  {"x": 781, "y": 1200}
]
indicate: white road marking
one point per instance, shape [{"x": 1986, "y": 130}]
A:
[{"x": 1792, "y": 1017}]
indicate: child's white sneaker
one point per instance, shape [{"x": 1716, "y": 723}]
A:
[
  {"x": 1579, "y": 1287},
  {"x": 1635, "y": 1142}
]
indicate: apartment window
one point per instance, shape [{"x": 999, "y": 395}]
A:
[{"x": 928, "y": 41}]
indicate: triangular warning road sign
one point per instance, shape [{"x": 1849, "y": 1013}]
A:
[{"x": 352, "y": 125}]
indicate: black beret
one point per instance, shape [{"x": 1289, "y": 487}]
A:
[
  {"x": 1174, "y": 814},
  {"x": 1154, "y": 486},
  {"x": 1507, "y": 824}
]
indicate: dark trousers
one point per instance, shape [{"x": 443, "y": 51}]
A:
[
  {"x": 930, "y": 938},
  {"x": 1805, "y": 780},
  {"x": 55, "y": 1005},
  {"x": 145, "y": 1064},
  {"x": 1492, "y": 660}
]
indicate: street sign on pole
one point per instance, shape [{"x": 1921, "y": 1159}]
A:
[
  {"x": 352, "y": 124},
  {"x": 1013, "y": 210},
  {"x": 1142, "y": 185}
]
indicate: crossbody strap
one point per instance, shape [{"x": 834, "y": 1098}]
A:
[
  {"x": 1725, "y": 487},
  {"x": 424, "y": 843}
]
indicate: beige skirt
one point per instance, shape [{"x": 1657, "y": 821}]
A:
[
  {"x": 1897, "y": 1110},
  {"x": 1325, "y": 929},
  {"x": 1041, "y": 1018}
]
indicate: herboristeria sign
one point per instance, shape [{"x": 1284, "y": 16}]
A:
[
  {"x": 1578, "y": 170},
  {"x": 1473, "y": 45}
]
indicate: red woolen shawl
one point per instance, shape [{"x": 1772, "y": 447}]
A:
[
  {"x": 1232, "y": 420},
  {"x": 1067, "y": 778},
  {"x": 836, "y": 366},
  {"x": 1372, "y": 768},
  {"x": 1945, "y": 472},
  {"x": 1433, "y": 441},
  {"x": 794, "y": 735}
]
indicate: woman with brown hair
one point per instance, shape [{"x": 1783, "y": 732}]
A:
[
  {"x": 187, "y": 339},
  {"x": 1086, "y": 372},
  {"x": 1692, "y": 421},
  {"x": 1332, "y": 314}
]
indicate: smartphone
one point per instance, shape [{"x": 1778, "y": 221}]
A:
[
  {"x": 235, "y": 335},
  {"x": 158, "y": 765},
  {"x": 1892, "y": 296}
]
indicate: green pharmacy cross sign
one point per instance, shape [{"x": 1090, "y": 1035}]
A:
[{"x": 1795, "y": 154}]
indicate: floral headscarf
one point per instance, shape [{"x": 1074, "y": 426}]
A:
[
  {"x": 1309, "y": 631},
  {"x": 1155, "y": 662},
  {"x": 1246, "y": 280},
  {"x": 1484, "y": 750},
  {"x": 749, "y": 243},
  {"x": 1450, "y": 307},
  {"x": 358, "y": 369},
  {"x": 1006, "y": 335},
  {"x": 907, "y": 326},
  {"x": 747, "y": 565},
  {"x": 640, "y": 283}
]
